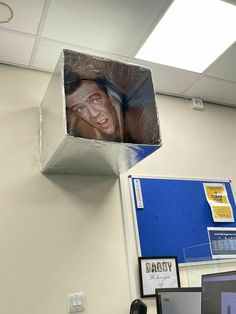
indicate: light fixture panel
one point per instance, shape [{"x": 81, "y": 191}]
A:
[{"x": 191, "y": 35}]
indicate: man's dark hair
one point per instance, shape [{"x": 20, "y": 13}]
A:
[{"x": 72, "y": 81}]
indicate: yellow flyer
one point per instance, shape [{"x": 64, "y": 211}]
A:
[{"x": 217, "y": 198}]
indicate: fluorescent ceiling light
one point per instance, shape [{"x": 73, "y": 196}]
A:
[{"x": 191, "y": 35}]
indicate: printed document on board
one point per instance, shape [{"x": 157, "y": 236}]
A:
[{"x": 217, "y": 198}]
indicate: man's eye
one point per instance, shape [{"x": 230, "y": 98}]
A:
[
  {"x": 96, "y": 100},
  {"x": 80, "y": 109}
]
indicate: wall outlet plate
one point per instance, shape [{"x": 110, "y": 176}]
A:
[{"x": 76, "y": 302}]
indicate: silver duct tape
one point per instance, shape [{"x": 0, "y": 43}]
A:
[
  {"x": 92, "y": 157},
  {"x": 66, "y": 152}
]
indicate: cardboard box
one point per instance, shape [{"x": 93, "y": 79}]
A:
[{"x": 98, "y": 116}]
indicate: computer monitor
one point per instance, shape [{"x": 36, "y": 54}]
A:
[
  {"x": 178, "y": 300},
  {"x": 219, "y": 293}
]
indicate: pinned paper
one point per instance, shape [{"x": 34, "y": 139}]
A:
[{"x": 217, "y": 198}]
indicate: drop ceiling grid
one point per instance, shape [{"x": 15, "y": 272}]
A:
[{"x": 216, "y": 84}]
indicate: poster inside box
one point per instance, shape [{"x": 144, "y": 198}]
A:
[
  {"x": 109, "y": 101},
  {"x": 98, "y": 116}
]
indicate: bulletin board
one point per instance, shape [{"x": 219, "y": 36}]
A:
[{"x": 175, "y": 215}]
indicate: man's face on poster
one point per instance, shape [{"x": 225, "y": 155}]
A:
[{"x": 91, "y": 104}]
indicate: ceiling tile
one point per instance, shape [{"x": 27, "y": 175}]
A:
[
  {"x": 225, "y": 66},
  {"x": 48, "y": 53},
  {"x": 26, "y": 15},
  {"x": 107, "y": 25},
  {"x": 214, "y": 90},
  {"x": 168, "y": 79},
  {"x": 17, "y": 47}
]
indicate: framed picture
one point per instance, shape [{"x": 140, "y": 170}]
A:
[{"x": 158, "y": 272}]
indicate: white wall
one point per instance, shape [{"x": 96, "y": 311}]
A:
[
  {"x": 62, "y": 234},
  {"x": 58, "y": 234}
]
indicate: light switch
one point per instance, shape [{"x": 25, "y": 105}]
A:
[{"x": 76, "y": 302}]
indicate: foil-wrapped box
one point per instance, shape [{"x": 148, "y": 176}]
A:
[{"x": 98, "y": 116}]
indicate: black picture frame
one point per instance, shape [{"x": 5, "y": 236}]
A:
[{"x": 156, "y": 272}]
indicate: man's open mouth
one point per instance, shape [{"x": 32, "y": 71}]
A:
[{"x": 104, "y": 123}]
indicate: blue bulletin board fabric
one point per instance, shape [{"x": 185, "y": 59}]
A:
[{"x": 175, "y": 215}]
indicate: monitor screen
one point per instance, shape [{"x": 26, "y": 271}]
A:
[
  {"x": 219, "y": 293},
  {"x": 178, "y": 300}
]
